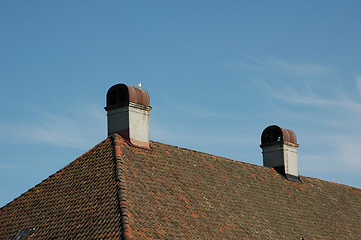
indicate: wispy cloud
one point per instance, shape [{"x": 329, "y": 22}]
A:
[
  {"x": 311, "y": 69},
  {"x": 76, "y": 129},
  {"x": 358, "y": 84},
  {"x": 349, "y": 147},
  {"x": 312, "y": 99},
  {"x": 267, "y": 63}
]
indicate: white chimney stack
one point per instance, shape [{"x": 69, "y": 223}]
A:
[
  {"x": 128, "y": 114},
  {"x": 279, "y": 147}
]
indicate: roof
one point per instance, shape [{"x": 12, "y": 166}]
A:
[{"x": 117, "y": 191}]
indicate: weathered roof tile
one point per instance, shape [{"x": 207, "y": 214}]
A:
[{"x": 116, "y": 191}]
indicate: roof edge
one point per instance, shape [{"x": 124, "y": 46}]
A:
[{"x": 122, "y": 191}]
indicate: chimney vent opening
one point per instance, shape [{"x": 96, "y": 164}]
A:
[{"x": 117, "y": 96}]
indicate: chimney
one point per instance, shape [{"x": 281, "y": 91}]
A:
[
  {"x": 279, "y": 148},
  {"x": 128, "y": 114}
]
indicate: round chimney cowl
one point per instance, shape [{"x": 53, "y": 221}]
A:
[
  {"x": 120, "y": 95},
  {"x": 274, "y": 134}
]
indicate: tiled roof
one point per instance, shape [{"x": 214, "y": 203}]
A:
[
  {"x": 175, "y": 193},
  {"x": 78, "y": 202}
]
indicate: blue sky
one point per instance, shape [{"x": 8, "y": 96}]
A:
[{"x": 218, "y": 73}]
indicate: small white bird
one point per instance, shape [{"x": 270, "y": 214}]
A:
[{"x": 138, "y": 86}]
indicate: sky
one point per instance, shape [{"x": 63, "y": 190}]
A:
[{"x": 217, "y": 72}]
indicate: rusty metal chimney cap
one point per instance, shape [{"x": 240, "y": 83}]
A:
[
  {"x": 275, "y": 133},
  {"x": 120, "y": 95}
]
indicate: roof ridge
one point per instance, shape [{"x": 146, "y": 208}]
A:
[{"x": 122, "y": 196}]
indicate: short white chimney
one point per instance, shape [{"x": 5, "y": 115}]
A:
[
  {"x": 128, "y": 114},
  {"x": 279, "y": 148}
]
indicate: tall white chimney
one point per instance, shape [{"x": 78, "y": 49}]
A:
[
  {"x": 128, "y": 114},
  {"x": 279, "y": 148}
]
